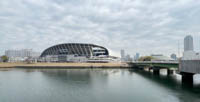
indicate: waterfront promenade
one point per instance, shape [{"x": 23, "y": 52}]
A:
[{"x": 64, "y": 65}]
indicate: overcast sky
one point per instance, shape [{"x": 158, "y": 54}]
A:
[{"x": 144, "y": 26}]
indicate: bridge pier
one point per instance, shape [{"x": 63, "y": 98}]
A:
[
  {"x": 169, "y": 72},
  {"x": 187, "y": 78},
  {"x": 156, "y": 71},
  {"x": 149, "y": 69},
  {"x": 141, "y": 68},
  {"x": 135, "y": 67},
  {"x": 146, "y": 68}
]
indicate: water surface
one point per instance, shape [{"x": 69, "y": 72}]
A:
[{"x": 93, "y": 85}]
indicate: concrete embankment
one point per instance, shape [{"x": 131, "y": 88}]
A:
[
  {"x": 10, "y": 65},
  {"x": 64, "y": 65}
]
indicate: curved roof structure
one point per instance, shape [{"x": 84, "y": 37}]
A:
[{"x": 78, "y": 49}]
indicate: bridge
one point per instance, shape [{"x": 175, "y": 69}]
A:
[
  {"x": 171, "y": 66},
  {"x": 156, "y": 64},
  {"x": 186, "y": 68}
]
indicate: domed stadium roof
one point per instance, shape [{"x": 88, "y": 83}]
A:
[{"x": 78, "y": 49}]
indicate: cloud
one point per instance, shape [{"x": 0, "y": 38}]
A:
[{"x": 144, "y": 26}]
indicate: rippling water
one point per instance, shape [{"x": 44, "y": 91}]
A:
[{"x": 94, "y": 85}]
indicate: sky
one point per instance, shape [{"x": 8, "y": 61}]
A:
[{"x": 144, "y": 26}]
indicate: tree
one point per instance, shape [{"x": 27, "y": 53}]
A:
[
  {"x": 4, "y": 58},
  {"x": 146, "y": 58}
]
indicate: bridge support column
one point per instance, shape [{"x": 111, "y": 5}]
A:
[
  {"x": 149, "y": 69},
  {"x": 146, "y": 69},
  {"x": 169, "y": 72},
  {"x": 156, "y": 71},
  {"x": 141, "y": 68},
  {"x": 135, "y": 67},
  {"x": 187, "y": 78}
]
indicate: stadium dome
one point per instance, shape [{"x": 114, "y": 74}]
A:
[{"x": 77, "y": 49}]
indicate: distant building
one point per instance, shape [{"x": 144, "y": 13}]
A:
[
  {"x": 20, "y": 55},
  {"x": 123, "y": 55},
  {"x": 173, "y": 56},
  {"x": 137, "y": 56},
  {"x": 188, "y": 43},
  {"x": 189, "y": 53},
  {"x": 128, "y": 58}
]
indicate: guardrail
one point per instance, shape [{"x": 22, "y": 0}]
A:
[{"x": 149, "y": 62}]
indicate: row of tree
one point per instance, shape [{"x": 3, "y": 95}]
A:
[
  {"x": 145, "y": 58},
  {"x": 4, "y": 58}
]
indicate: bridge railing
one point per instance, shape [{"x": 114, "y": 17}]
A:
[{"x": 164, "y": 62}]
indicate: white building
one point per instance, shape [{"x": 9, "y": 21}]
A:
[
  {"x": 191, "y": 55},
  {"x": 20, "y": 55}
]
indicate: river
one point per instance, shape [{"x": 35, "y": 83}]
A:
[{"x": 94, "y": 85}]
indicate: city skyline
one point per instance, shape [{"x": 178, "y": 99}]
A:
[{"x": 135, "y": 26}]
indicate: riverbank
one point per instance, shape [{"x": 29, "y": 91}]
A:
[
  {"x": 64, "y": 65},
  {"x": 10, "y": 65}
]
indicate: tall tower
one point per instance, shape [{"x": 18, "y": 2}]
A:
[
  {"x": 188, "y": 43},
  {"x": 122, "y": 54},
  {"x": 137, "y": 56}
]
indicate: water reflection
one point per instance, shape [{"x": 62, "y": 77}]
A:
[
  {"x": 93, "y": 85},
  {"x": 186, "y": 93},
  {"x": 80, "y": 77}
]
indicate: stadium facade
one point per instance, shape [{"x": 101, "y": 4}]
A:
[{"x": 76, "y": 52}]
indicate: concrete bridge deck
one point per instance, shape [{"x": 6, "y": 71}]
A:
[
  {"x": 187, "y": 68},
  {"x": 156, "y": 64}
]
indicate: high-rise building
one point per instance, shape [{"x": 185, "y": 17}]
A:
[
  {"x": 137, "y": 56},
  {"x": 128, "y": 58},
  {"x": 122, "y": 54},
  {"x": 188, "y": 43},
  {"x": 189, "y": 53}
]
